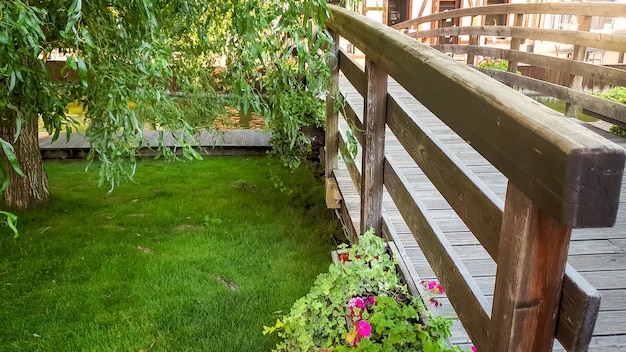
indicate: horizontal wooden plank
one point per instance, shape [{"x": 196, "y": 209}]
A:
[
  {"x": 560, "y": 166},
  {"x": 579, "y": 9},
  {"x": 352, "y": 166},
  {"x": 609, "y": 110},
  {"x": 589, "y": 262},
  {"x": 608, "y": 343},
  {"x": 354, "y": 121},
  {"x": 577, "y": 312},
  {"x": 584, "y": 69},
  {"x": 607, "y": 280},
  {"x": 612, "y": 322},
  {"x": 613, "y": 300},
  {"x": 602, "y": 41},
  {"x": 354, "y": 72},
  {"x": 349, "y": 211}
]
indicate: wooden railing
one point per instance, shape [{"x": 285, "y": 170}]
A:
[
  {"x": 560, "y": 176},
  {"x": 579, "y": 65}
]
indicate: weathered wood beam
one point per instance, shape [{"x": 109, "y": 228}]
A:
[
  {"x": 373, "y": 148},
  {"x": 579, "y": 9},
  {"x": 596, "y": 72},
  {"x": 602, "y": 41},
  {"x": 332, "y": 120},
  {"x": 603, "y": 109},
  {"x": 353, "y": 72},
  {"x": 578, "y": 54}
]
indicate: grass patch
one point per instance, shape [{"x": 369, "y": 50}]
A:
[{"x": 194, "y": 257}]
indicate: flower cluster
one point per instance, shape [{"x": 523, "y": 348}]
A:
[
  {"x": 435, "y": 288},
  {"x": 359, "y": 304},
  {"x": 362, "y": 328}
]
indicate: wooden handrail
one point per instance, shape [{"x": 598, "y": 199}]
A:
[
  {"x": 596, "y": 40},
  {"x": 545, "y": 156},
  {"x": 554, "y": 168},
  {"x": 579, "y": 9}
]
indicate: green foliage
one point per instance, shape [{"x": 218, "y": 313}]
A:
[
  {"x": 180, "y": 261},
  {"x": 323, "y": 319},
  {"x": 299, "y": 109},
  {"x": 618, "y": 131},
  {"x": 617, "y": 94},
  {"x": 496, "y": 64},
  {"x": 128, "y": 53}
]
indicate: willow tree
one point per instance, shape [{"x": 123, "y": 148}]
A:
[{"x": 128, "y": 53}]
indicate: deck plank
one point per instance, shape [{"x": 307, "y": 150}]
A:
[{"x": 228, "y": 142}]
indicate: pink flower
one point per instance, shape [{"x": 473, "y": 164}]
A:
[
  {"x": 473, "y": 349},
  {"x": 371, "y": 300},
  {"x": 435, "y": 287},
  {"x": 357, "y": 302},
  {"x": 363, "y": 328}
]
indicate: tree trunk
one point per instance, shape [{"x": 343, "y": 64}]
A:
[{"x": 32, "y": 190}]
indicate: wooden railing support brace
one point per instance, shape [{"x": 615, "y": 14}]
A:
[
  {"x": 332, "y": 129},
  {"x": 579, "y": 55},
  {"x": 516, "y": 42},
  {"x": 373, "y": 148}
]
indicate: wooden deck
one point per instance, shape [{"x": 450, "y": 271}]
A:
[
  {"x": 599, "y": 255},
  {"x": 228, "y": 142}
]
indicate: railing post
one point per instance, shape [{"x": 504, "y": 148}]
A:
[
  {"x": 531, "y": 265},
  {"x": 473, "y": 40},
  {"x": 516, "y": 42},
  {"x": 579, "y": 55},
  {"x": 373, "y": 148},
  {"x": 332, "y": 129}
]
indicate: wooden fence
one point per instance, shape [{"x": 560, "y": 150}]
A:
[
  {"x": 581, "y": 63},
  {"x": 561, "y": 176}
]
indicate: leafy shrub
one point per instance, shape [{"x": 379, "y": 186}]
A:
[
  {"x": 495, "y": 64},
  {"x": 617, "y": 94},
  {"x": 361, "y": 305}
]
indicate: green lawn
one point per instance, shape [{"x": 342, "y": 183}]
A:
[{"x": 196, "y": 256}]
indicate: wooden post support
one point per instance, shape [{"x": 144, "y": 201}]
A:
[
  {"x": 473, "y": 40},
  {"x": 373, "y": 148},
  {"x": 333, "y": 196},
  {"x": 516, "y": 42},
  {"x": 332, "y": 125},
  {"x": 531, "y": 264},
  {"x": 579, "y": 53}
]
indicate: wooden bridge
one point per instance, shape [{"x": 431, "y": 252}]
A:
[
  {"x": 507, "y": 203},
  {"x": 228, "y": 142}
]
